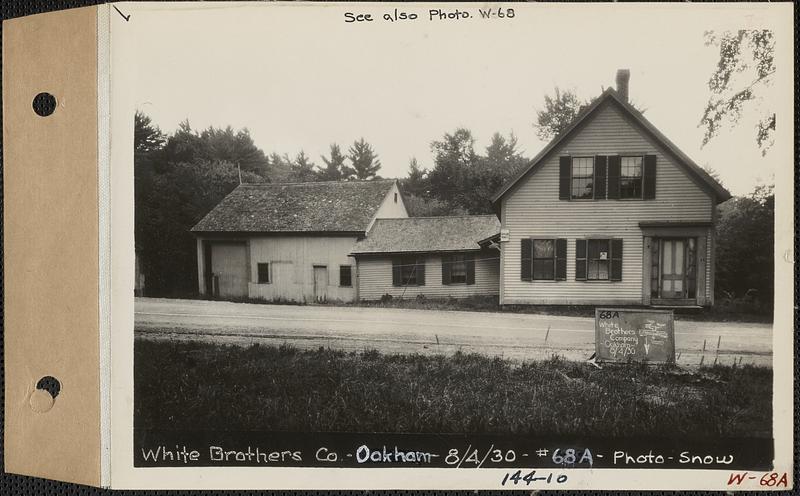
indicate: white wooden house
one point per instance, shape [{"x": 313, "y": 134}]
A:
[
  {"x": 610, "y": 212},
  {"x": 290, "y": 241}
]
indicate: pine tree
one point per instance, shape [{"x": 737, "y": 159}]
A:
[
  {"x": 416, "y": 183},
  {"x": 364, "y": 160},
  {"x": 303, "y": 169},
  {"x": 334, "y": 166}
]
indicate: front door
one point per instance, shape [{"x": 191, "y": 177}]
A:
[
  {"x": 677, "y": 268},
  {"x": 320, "y": 283}
]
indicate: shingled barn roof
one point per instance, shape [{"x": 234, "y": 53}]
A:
[
  {"x": 333, "y": 206},
  {"x": 428, "y": 234}
]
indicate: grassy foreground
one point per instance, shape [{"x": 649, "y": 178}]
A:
[{"x": 184, "y": 385}]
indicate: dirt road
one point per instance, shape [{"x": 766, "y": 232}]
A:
[{"x": 516, "y": 336}]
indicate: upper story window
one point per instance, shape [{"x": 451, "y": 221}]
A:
[
  {"x": 607, "y": 177},
  {"x": 582, "y": 178},
  {"x": 630, "y": 177}
]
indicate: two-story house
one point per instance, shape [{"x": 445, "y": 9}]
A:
[{"x": 610, "y": 212}]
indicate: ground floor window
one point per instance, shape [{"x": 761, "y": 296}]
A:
[
  {"x": 408, "y": 271},
  {"x": 598, "y": 259},
  {"x": 263, "y": 273},
  {"x": 544, "y": 259},
  {"x": 345, "y": 276},
  {"x": 458, "y": 269}
]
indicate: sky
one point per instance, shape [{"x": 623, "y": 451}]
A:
[{"x": 299, "y": 77}]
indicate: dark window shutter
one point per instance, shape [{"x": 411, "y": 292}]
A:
[
  {"x": 600, "y": 177},
  {"x": 561, "y": 259},
  {"x": 564, "y": 174},
  {"x": 616, "y": 260},
  {"x": 396, "y": 272},
  {"x": 420, "y": 272},
  {"x": 649, "y": 177},
  {"x": 613, "y": 176},
  {"x": 470, "y": 269},
  {"x": 446, "y": 264},
  {"x": 527, "y": 263},
  {"x": 580, "y": 259}
]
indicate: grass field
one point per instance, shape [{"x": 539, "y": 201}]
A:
[{"x": 180, "y": 385}]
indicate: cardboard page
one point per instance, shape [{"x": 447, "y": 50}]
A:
[{"x": 51, "y": 246}]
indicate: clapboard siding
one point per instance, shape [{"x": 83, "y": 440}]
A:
[
  {"x": 532, "y": 209},
  {"x": 293, "y": 259},
  {"x": 710, "y": 267},
  {"x": 375, "y": 278}
]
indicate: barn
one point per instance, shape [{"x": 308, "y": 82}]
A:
[{"x": 290, "y": 241}]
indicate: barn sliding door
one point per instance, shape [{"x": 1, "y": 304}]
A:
[{"x": 229, "y": 269}]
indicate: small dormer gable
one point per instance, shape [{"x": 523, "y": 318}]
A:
[{"x": 393, "y": 206}]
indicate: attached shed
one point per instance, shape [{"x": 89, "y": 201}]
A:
[
  {"x": 437, "y": 257},
  {"x": 290, "y": 241}
]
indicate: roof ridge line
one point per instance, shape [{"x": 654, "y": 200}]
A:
[
  {"x": 437, "y": 217},
  {"x": 359, "y": 181}
]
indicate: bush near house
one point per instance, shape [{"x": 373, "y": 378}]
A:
[
  {"x": 183, "y": 385},
  {"x": 745, "y": 278}
]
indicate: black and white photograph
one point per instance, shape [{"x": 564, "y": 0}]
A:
[{"x": 491, "y": 236}]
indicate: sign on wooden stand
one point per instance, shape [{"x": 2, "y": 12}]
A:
[{"x": 634, "y": 335}]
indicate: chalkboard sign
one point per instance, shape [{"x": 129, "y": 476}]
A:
[{"x": 634, "y": 335}]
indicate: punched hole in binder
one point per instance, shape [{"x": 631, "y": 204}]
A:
[
  {"x": 44, "y": 396},
  {"x": 44, "y": 104}
]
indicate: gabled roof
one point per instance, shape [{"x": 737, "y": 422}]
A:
[
  {"x": 332, "y": 206},
  {"x": 428, "y": 234},
  {"x": 611, "y": 97}
]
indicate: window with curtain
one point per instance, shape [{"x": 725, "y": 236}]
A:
[
  {"x": 544, "y": 259},
  {"x": 458, "y": 269},
  {"x": 598, "y": 259}
]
